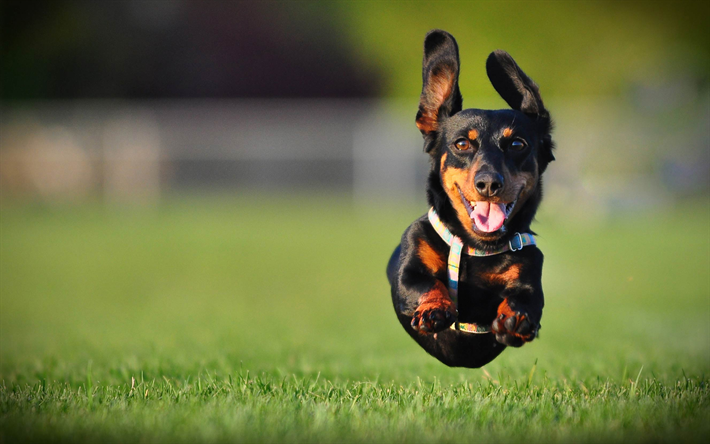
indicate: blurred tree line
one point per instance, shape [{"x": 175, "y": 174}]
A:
[{"x": 175, "y": 48}]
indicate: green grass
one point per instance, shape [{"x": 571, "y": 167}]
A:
[{"x": 224, "y": 319}]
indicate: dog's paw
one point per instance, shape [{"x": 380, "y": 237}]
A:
[
  {"x": 432, "y": 318},
  {"x": 514, "y": 327}
]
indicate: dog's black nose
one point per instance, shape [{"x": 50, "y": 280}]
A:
[{"x": 488, "y": 184}]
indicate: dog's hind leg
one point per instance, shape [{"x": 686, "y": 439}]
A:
[{"x": 393, "y": 265}]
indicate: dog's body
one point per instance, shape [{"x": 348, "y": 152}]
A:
[{"x": 485, "y": 187}]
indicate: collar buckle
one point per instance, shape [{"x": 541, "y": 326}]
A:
[{"x": 518, "y": 245}]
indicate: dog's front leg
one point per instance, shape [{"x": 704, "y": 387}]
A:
[
  {"x": 417, "y": 278},
  {"x": 519, "y": 314},
  {"x": 435, "y": 310},
  {"x": 425, "y": 299},
  {"x": 518, "y": 318}
]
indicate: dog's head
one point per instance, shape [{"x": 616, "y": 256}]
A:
[{"x": 486, "y": 164}]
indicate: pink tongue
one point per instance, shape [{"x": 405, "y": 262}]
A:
[{"x": 488, "y": 217}]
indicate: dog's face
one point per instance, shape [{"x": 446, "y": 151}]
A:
[
  {"x": 488, "y": 168},
  {"x": 486, "y": 165}
]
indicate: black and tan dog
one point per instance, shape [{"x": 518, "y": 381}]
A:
[{"x": 484, "y": 188}]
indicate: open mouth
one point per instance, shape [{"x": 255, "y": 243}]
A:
[{"x": 487, "y": 217}]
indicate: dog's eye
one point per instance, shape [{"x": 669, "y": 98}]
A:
[
  {"x": 517, "y": 145},
  {"x": 463, "y": 144}
]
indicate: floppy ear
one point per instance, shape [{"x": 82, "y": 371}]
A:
[
  {"x": 440, "y": 91},
  {"x": 513, "y": 85},
  {"x": 522, "y": 94}
]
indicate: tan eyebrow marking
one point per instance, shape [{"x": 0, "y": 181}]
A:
[
  {"x": 507, "y": 132},
  {"x": 473, "y": 134}
]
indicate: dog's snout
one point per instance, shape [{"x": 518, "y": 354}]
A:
[{"x": 488, "y": 183}]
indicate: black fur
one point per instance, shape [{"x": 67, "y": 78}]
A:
[{"x": 503, "y": 290}]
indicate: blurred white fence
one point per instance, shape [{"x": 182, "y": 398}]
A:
[
  {"x": 129, "y": 150},
  {"x": 611, "y": 154}
]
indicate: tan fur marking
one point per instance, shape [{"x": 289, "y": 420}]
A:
[
  {"x": 437, "y": 90},
  {"x": 440, "y": 86},
  {"x": 507, "y": 132},
  {"x": 450, "y": 178},
  {"x": 511, "y": 274},
  {"x": 472, "y": 135},
  {"x": 431, "y": 259},
  {"x": 437, "y": 297},
  {"x": 427, "y": 123}
]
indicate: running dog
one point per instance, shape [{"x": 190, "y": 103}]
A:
[{"x": 466, "y": 277}]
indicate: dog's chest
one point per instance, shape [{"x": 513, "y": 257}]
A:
[
  {"x": 489, "y": 273},
  {"x": 481, "y": 281}
]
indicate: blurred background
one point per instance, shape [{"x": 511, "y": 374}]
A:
[
  {"x": 130, "y": 101},
  {"x": 167, "y": 165}
]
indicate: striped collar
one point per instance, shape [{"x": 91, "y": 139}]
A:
[
  {"x": 518, "y": 241},
  {"x": 457, "y": 247}
]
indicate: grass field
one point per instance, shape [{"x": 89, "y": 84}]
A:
[{"x": 224, "y": 319}]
